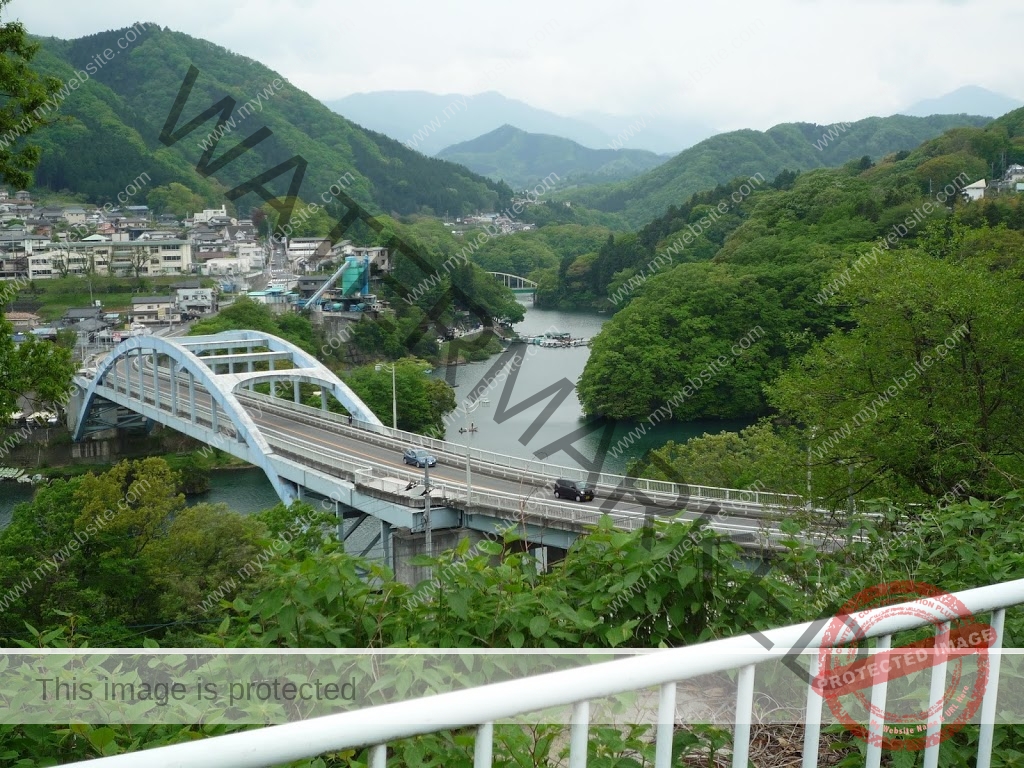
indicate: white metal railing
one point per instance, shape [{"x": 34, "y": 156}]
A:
[
  {"x": 493, "y": 463},
  {"x": 481, "y": 707}
]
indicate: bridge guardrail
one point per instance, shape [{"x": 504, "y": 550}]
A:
[
  {"x": 518, "y": 506},
  {"x": 516, "y": 467},
  {"x": 522, "y": 508}
]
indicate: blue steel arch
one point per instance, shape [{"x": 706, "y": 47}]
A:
[{"x": 221, "y": 389}]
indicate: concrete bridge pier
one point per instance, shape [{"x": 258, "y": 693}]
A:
[{"x": 407, "y": 544}]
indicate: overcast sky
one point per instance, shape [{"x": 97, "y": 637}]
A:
[{"x": 739, "y": 64}]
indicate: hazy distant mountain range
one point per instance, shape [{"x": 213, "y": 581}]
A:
[
  {"x": 429, "y": 122},
  {"x": 969, "y": 100},
  {"x": 522, "y": 159}
]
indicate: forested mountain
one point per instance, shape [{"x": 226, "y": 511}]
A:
[
  {"x": 797, "y": 146},
  {"x": 521, "y": 159},
  {"x": 820, "y": 300},
  {"x": 110, "y": 128}
]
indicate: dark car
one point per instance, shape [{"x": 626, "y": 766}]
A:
[
  {"x": 419, "y": 457},
  {"x": 570, "y": 489}
]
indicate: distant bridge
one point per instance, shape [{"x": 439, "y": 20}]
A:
[
  {"x": 203, "y": 386},
  {"x": 516, "y": 283}
]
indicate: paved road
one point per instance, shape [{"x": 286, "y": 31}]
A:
[{"x": 344, "y": 440}]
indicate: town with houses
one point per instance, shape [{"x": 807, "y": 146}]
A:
[{"x": 216, "y": 256}]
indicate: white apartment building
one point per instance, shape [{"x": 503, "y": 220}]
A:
[
  {"x": 307, "y": 249},
  {"x": 255, "y": 253},
  {"x": 161, "y": 257},
  {"x": 210, "y": 213}
]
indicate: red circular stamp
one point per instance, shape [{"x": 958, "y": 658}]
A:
[{"x": 847, "y": 674}]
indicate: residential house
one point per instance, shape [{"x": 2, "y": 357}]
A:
[
  {"x": 23, "y": 321},
  {"x": 74, "y": 216},
  {"x": 154, "y": 309},
  {"x": 206, "y": 215},
  {"x": 975, "y": 191},
  {"x": 194, "y": 299},
  {"x": 77, "y": 315}
]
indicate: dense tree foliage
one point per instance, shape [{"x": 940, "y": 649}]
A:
[
  {"x": 246, "y": 315},
  {"x": 141, "y": 576},
  {"x": 24, "y": 91},
  {"x": 422, "y": 401},
  {"x": 39, "y": 370}
]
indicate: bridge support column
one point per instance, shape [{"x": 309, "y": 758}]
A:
[
  {"x": 323, "y": 398},
  {"x": 142, "y": 370},
  {"x": 192, "y": 396},
  {"x": 214, "y": 423},
  {"x": 296, "y": 392},
  {"x": 155, "y": 358},
  {"x": 273, "y": 384},
  {"x": 406, "y": 544},
  {"x": 174, "y": 389}
]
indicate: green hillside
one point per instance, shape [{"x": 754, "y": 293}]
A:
[
  {"x": 828, "y": 302},
  {"x": 112, "y": 124},
  {"x": 522, "y": 159},
  {"x": 745, "y": 153}
]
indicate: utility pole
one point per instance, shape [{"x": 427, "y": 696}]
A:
[{"x": 469, "y": 473}]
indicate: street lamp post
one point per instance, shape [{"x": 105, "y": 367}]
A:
[
  {"x": 469, "y": 466},
  {"x": 394, "y": 393}
]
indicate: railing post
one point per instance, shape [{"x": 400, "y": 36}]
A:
[
  {"x": 744, "y": 714},
  {"x": 876, "y": 726},
  {"x": 483, "y": 749},
  {"x": 988, "y": 703},
  {"x": 812, "y": 719},
  {"x": 578, "y": 735},
  {"x": 936, "y": 696},
  {"x": 379, "y": 756},
  {"x": 666, "y": 726}
]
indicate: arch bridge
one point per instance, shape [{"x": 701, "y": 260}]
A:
[
  {"x": 516, "y": 283},
  {"x": 194, "y": 385},
  {"x": 241, "y": 392}
]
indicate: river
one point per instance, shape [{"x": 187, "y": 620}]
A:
[
  {"x": 244, "y": 490},
  {"x": 541, "y": 368},
  {"x": 248, "y": 490}
]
